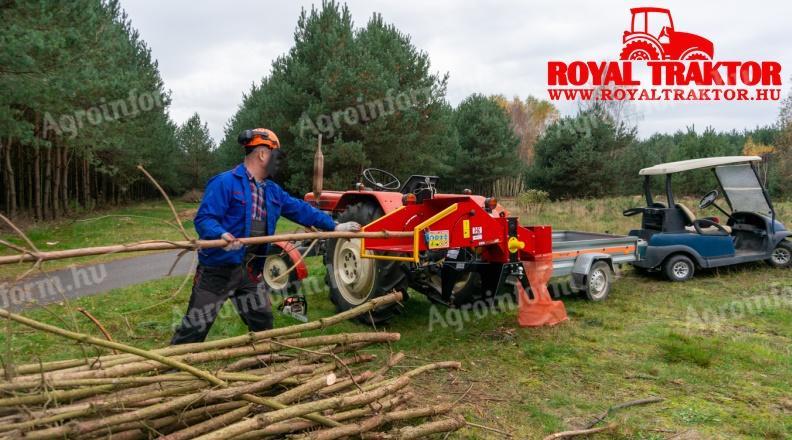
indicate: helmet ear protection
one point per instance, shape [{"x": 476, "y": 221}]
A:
[
  {"x": 247, "y": 135},
  {"x": 244, "y": 137}
]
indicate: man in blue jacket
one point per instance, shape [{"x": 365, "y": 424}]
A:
[{"x": 242, "y": 202}]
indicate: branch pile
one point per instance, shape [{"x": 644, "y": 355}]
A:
[{"x": 268, "y": 384}]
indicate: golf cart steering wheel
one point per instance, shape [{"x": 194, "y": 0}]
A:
[
  {"x": 632, "y": 211},
  {"x": 705, "y": 222},
  {"x": 708, "y": 199},
  {"x": 375, "y": 175}
]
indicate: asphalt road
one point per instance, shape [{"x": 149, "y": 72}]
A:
[{"x": 75, "y": 282}]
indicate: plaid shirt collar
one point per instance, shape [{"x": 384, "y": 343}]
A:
[{"x": 259, "y": 208}]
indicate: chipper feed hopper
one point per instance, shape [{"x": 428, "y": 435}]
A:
[{"x": 463, "y": 236}]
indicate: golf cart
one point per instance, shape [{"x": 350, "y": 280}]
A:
[{"x": 678, "y": 242}]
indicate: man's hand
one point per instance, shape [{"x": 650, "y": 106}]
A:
[
  {"x": 348, "y": 227},
  {"x": 233, "y": 242}
]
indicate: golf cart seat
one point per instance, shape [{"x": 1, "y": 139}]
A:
[{"x": 691, "y": 217}]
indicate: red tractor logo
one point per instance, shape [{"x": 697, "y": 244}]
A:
[{"x": 652, "y": 37}]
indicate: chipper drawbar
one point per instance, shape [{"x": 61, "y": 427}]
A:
[{"x": 463, "y": 236}]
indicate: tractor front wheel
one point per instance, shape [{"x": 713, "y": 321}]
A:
[{"x": 354, "y": 280}]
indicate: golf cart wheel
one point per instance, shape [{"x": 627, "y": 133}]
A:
[
  {"x": 354, "y": 280},
  {"x": 679, "y": 268},
  {"x": 598, "y": 281},
  {"x": 781, "y": 257},
  {"x": 276, "y": 264}
]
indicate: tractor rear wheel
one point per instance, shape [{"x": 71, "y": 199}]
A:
[
  {"x": 640, "y": 51},
  {"x": 354, "y": 280}
]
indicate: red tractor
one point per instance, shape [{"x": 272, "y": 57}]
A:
[{"x": 652, "y": 37}]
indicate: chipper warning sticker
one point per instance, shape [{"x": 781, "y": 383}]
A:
[{"x": 437, "y": 239}]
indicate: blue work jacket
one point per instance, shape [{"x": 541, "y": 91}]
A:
[{"x": 226, "y": 207}]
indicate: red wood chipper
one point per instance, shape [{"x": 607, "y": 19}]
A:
[
  {"x": 465, "y": 249},
  {"x": 511, "y": 258}
]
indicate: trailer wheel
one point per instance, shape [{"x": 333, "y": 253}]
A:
[
  {"x": 354, "y": 280},
  {"x": 598, "y": 281},
  {"x": 679, "y": 268},
  {"x": 781, "y": 257}
]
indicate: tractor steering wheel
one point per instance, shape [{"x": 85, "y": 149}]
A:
[
  {"x": 708, "y": 199},
  {"x": 375, "y": 176}
]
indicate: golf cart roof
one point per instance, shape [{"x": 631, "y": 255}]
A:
[{"x": 694, "y": 164}]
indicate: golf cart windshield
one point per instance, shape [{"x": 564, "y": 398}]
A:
[{"x": 743, "y": 188}]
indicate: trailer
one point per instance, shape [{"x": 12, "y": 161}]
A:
[{"x": 591, "y": 260}]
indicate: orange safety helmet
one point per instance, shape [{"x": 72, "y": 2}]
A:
[{"x": 259, "y": 136}]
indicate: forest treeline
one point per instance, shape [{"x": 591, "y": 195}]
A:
[{"x": 83, "y": 104}]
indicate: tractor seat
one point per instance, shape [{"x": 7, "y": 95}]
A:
[{"x": 690, "y": 217}]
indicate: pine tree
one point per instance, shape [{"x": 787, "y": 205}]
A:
[
  {"x": 197, "y": 149},
  {"x": 346, "y": 83},
  {"x": 487, "y": 144},
  {"x": 577, "y": 156}
]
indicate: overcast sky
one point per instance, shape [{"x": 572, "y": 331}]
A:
[{"x": 210, "y": 52}]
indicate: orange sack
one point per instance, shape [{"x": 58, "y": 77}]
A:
[{"x": 542, "y": 309}]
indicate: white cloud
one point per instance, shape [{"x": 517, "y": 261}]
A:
[{"x": 211, "y": 52}]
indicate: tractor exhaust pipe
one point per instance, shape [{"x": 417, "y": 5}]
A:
[{"x": 318, "y": 175}]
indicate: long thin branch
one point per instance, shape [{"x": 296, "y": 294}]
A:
[
  {"x": 579, "y": 432},
  {"x": 164, "y": 245},
  {"x": 20, "y": 233},
  {"x": 13, "y": 246},
  {"x": 613, "y": 408},
  {"x": 32, "y": 254},
  {"x": 97, "y": 324},
  {"x": 167, "y": 199}
]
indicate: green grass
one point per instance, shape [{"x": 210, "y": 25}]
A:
[
  {"x": 716, "y": 348},
  {"x": 695, "y": 350}
]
